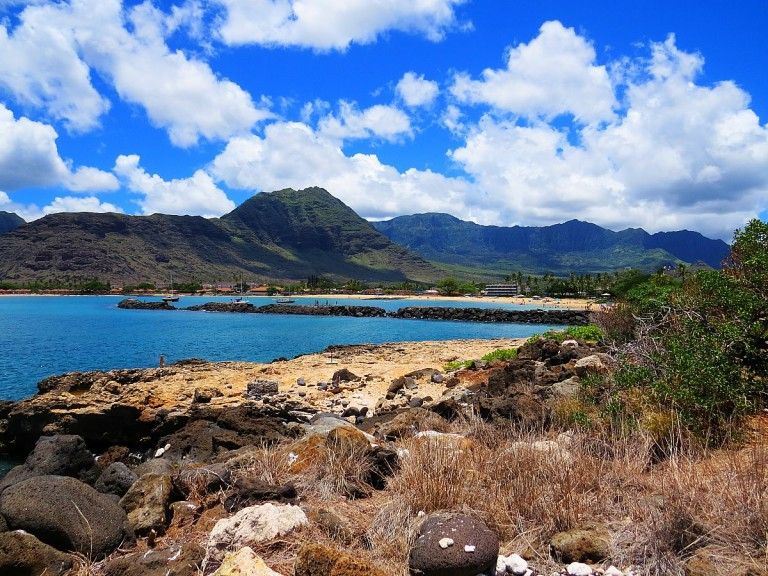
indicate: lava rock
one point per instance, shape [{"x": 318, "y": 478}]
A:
[
  {"x": 259, "y": 388},
  {"x": 66, "y": 514},
  {"x": 178, "y": 560},
  {"x": 146, "y": 503},
  {"x": 475, "y": 549},
  {"x": 60, "y": 455},
  {"x": 344, "y": 375},
  {"x": 116, "y": 479},
  {"x": 22, "y": 554}
]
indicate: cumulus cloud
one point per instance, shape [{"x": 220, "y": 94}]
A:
[
  {"x": 40, "y": 67},
  {"x": 29, "y": 158},
  {"x": 416, "y": 90},
  {"x": 553, "y": 74},
  {"x": 379, "y": 121},
  {"x": 55, "y": 47},
  {"x": 677, "y": 155},
  {"x": 32, "y": 212},
  {"x": 372, "y": 188},
  {"x": 196, "y": 195},
  {"x": 331, "y": 24}
]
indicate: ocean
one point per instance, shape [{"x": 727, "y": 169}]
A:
[{"x": 45, "y": 335}]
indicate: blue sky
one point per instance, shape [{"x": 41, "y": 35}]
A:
[{"x": 530, "y": 112}]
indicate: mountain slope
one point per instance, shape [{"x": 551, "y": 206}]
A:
[
  {"x": 572, "y": 246},
  {"x": 286, "y": 235},
  {"x": 10, "y": 221}
]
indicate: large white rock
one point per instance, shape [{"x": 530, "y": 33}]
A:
[
  {"x": 244, "y": 562},
  {"x": 250, "y": 525},
  {"x": 578, "y": 569}
]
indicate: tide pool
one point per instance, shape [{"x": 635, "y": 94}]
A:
[{"x": 45, "y": 335}]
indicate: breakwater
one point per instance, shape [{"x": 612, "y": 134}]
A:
[{"x": 489, "y": 315}]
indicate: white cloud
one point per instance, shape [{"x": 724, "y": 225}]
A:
[
  {"x": 416, "y": 90},
  {"x": 40, "y": 67},
  {"x": 332, "y": 24},
  {"x": 29, "y": 158},
  {"x": 553, "y": 74},
  {"x": 680, "y": 155},
  {"x": 55, "y": 47},
  {"x": 32, "y": 212},
  {"x": 379, "y": 121},
  {"x": 293, "y": 155},
  {"x": 197, "y": 195}
]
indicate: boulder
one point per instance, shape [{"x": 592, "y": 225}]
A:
[
  {"x": 155, "y": 466},
  {"x": 244, "y": 562},
  {"x": 333, "y": 525},
  {"x": 319, "y": 560},
  {"x": 251, "y": 491},
  {"x": 205, "y": 395},
  {"x": 177, "y": 560},
  {"x": 22, "y": 554},
  {"x": 183, "y": 513},
  {"x": 594, "y": 364},
  {"x": 116, "y": 479},
  {"x": 250, "y": 525},
  {"x": 474, "y": 548},
  {"x": 146, "y": 503},
  {"x": 407, "y": 423},
  {"x": 588, "y": 543},
  {"x": 259, "y": 388},
  {"x": 344, "y": 375},
  {"x": 60, "y": 455},
  {"x": 66, "y": 514}
]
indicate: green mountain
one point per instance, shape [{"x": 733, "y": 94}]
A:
[
  {"x": 572, "y": 246},
  {"x": 10, "y": 221},
  {"x": 284, "y": 235}
]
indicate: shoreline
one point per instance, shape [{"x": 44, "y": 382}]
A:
[{"x": 588, "y": 304}]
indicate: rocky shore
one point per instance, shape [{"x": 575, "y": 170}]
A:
[
  {"x": 359, "y": 461},
  {"x": 562, "y": 317},
  {"x": 152, "y": 471}
]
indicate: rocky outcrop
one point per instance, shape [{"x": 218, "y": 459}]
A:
[
  {"x": 569, "y": 317},
  {"x": 134, "y": 304},
  {"x": 146, "y": 503},
  {"x": 564, "y": 317},
  {"x": 66, "y": 514}
]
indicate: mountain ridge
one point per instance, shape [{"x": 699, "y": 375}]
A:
[
  {"x": 10, "y": 221},
  {"x": 284, "y": 235},
  {"x": 571, "y": 246}
]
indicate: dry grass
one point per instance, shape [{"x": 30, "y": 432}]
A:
[{"x": 341, "y": 468}]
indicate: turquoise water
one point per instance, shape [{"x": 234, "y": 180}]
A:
[{"x": 45, "y": 335}]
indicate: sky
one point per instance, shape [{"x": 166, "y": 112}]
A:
[{"x": 508, "y": 112}]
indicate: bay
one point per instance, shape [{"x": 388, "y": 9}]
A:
[{"x": 45, "y": 335}]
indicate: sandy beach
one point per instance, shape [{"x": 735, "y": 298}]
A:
[{"x": 566, "y": 303}]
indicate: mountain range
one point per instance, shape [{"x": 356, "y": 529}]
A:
[
  {"x": 572, "y": 246},
  {"x": 293, "y": 234},
  {"x": 282, "y": 235}
]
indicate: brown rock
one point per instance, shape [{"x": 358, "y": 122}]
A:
[
  {"x": 318, "y": 560},
  {"x": 588, "y": 543},
  {"x": 178, "y": 560},
  {"x": 146, "y": 503},
  {"x": 22, "y": 554}
]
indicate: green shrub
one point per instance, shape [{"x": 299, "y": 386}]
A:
[
  {"x": 588, "y": 333},
  {"x": 501, "y": 354}
]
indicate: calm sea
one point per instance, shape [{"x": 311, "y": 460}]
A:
[{"x": 41, "y": 336}]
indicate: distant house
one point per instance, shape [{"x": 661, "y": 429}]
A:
[
  {"x": 432, "y": 291},
  {"x": 501, "y": 290}
]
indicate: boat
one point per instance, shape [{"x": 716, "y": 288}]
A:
[
  {"x": 285, "y": 300},
  {"x": 170, "y": 297}
]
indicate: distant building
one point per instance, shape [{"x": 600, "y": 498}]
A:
[{"x": 501, "y": 290}]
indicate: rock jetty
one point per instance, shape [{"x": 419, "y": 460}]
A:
[{"x": 560, "y": 317}]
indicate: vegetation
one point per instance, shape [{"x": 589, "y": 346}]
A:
[
  {"x": 499, "y": 355},
  {"x": 589, "y": 333},
  {"x": 698, "y": 345}
]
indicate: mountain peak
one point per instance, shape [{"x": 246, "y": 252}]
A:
[{"x": 10, "y": 221}]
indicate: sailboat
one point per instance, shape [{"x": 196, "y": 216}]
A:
[{"x": 171, "y": 297}]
